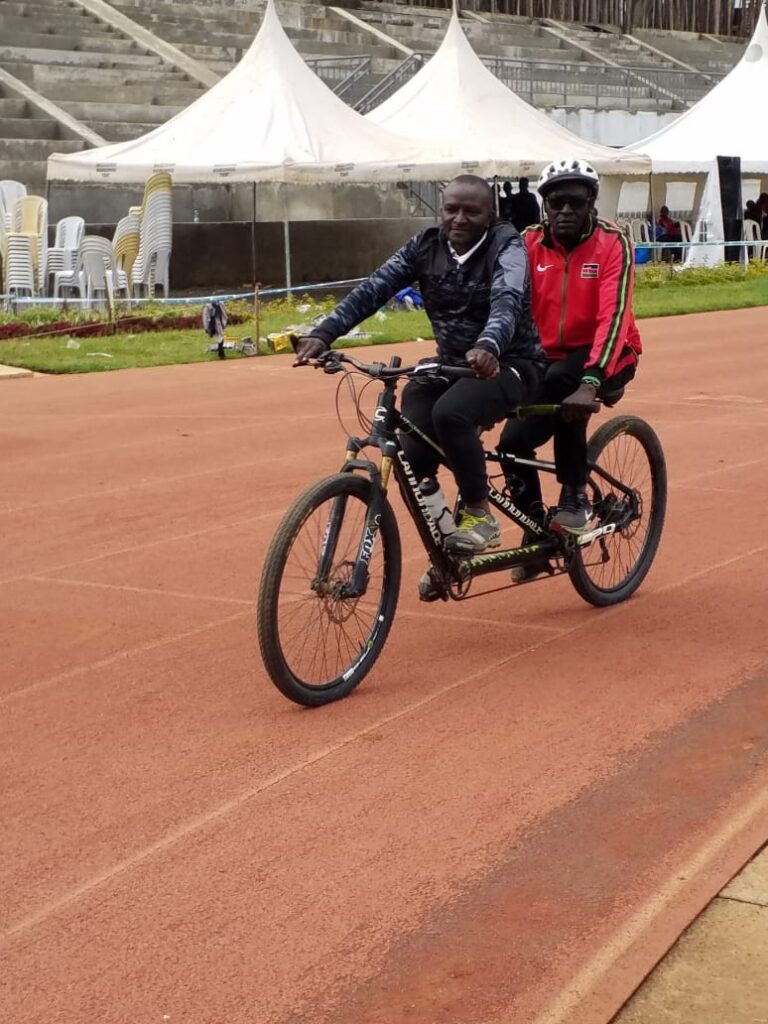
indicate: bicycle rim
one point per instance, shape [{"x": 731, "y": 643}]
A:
[
  {"x": 316, "y": 642},
  {"x": 611, "y": 568}
]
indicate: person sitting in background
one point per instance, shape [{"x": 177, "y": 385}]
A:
[
  {"x": 762, "y": 207},
  {"x": 670, "y": 232}
]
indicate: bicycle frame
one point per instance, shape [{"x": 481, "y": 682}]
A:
[{"x": 387, "y": 420}]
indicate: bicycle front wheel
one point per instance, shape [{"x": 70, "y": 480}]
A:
[
  {"x": 611, "y": 568},
  {"x": 317, "y": 641}
]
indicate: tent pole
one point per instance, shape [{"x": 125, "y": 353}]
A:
[
  {"x": 655, "y": 254},
  {"x": 253, "y": 238},
  {"x": 286, "y": 239},
  {"x": 287, "y": 243}
]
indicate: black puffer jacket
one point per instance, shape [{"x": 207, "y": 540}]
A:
[{"x": 486, "y": 303}]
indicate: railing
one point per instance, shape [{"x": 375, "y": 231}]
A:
[
  {"x": 567, "y": 82},
  {"x": 340, "y": 73},
  {"x": 362, "y": 71},
  {"x": 390, "y": 83},
  {"x": 563, "y": 82},
  {"x": 425, "y": 195}
]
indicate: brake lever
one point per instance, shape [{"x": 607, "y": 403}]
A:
[{"x": 328, "y": 362}]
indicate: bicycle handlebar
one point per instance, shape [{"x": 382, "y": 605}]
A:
[{"x": 331, "y": 362}]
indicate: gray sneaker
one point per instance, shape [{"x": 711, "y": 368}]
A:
[
  {"x": 574, "y": 510},
  {"x": 476, "y": 531},
  {"x": 429, "y": 589}
]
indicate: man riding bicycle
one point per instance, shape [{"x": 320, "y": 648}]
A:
[
  {"x": 473, "y": 276},
  {"x": 582, "y": 276}
]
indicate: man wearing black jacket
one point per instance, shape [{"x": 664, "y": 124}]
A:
[{"x": 473, "y": 276}]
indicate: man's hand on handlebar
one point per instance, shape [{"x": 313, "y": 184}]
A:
[
  {"x": 483, "y": 363},
  {"x": 580, "y": 404},
  {"x": 309, "y": 348}
]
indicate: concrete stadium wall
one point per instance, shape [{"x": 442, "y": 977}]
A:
[
  {"x": 612, "y": 127},
  {"x": 214, "y": 255},
  {"x": 105, "y": 203}
]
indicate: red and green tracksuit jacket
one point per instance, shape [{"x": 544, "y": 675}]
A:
[{"x": 584, "y": 297}]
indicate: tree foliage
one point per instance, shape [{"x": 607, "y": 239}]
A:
[{"x": 718, "y": 17}]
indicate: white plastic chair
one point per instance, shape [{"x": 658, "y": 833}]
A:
[
  {"x": 751, "y": 233},
  {"x": 63, "y": 253},
  {"x": 18, "y": 260},
  {"x": 10, "y": 191},
  {"x": 153, "y": 260},
  {"x": 640, "y": 232},
  {"x": 686, "y": 234},
  {"x": 30, "y": 218},
  {"x": 95, "y": 272},
  {"x": 125, "y": 243}
]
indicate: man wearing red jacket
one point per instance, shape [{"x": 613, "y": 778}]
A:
[{"x": 582, "y": 276}]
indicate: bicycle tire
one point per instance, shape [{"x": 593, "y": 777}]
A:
[
  {"x": 320, "y": 618},
  {"x": 633, "y": 548}
]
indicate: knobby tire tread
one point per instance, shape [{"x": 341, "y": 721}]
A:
[
  {"x": 579, "y": 575},
  {"x": 269, "y": 592}
]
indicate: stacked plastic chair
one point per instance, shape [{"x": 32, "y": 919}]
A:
[
  {"x": 10, "y": 191},
  {"x": 63, "y": 253},
  {"x": 126, "y": 245},
  {"x": 25, "y": 246},
  {"x": 18, "y": 265},
  {"x": 30, "y": 219},
  {"x": 154, "y": 256},
  {"x": 95, "y": 273}
]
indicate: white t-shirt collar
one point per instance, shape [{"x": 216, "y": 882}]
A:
[{"x": 462, "y": 259}]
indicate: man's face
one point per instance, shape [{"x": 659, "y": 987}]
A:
[
  {"x": 466, "y": 215},
  {"x": 568, "y": 207}
]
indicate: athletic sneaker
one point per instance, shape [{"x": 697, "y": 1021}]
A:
[
  {"x": 428, "y": 588},
  {"x": 574, "y": 510},
  {"x": 476, "y": 531}
]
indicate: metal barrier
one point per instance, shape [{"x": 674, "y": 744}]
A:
[
  {"x": 390, "y": 83},
  {"x": 340, "y": 73},
  {"x": 566, "y": 82},
  {"x": 569, "y": 82}
]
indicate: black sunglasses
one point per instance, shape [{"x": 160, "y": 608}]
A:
[{"x": 576, "y": 203}]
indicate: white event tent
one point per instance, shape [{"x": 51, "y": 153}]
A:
[
  {"x": 270, "y": 119},
  {"x": 725, "y": 122},
  {"x": 455, "y": 102}
]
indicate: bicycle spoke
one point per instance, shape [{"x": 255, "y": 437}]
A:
[
  {"x": 322, "y": 632},
  {"x": 612, "y": 566}
]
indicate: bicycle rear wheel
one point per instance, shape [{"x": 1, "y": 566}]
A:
[
  {"x": 611, "y": 568},
  {"x": 317, "y": 642}
]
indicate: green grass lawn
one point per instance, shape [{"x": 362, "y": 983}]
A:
[
  {"x": 656, "y": 295},
  {"x": 672, "y": 299}
]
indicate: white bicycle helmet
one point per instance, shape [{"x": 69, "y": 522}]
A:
[{"x": 568, "y": 170}]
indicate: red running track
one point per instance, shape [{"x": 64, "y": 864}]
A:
[{"x": 510, "y": 821}]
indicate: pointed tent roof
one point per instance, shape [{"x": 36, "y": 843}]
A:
[
  {"x": 722, "y": 123},
  {"x": 455, "y": 101},
  {"x": 270, "y": 119}
]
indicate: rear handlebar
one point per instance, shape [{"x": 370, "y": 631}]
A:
[{"x": 333, "y": 361}]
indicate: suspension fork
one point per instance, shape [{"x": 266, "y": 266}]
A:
[{"x": 379, "y": 479}]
